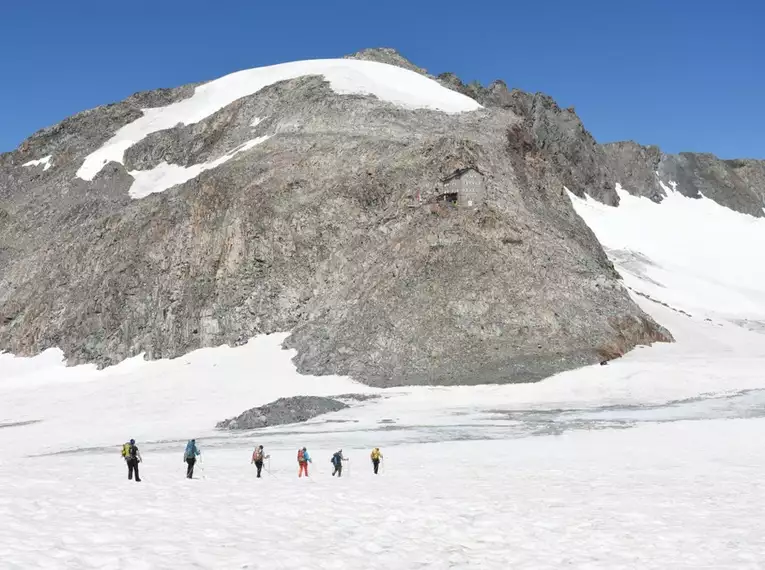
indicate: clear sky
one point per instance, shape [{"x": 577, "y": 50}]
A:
[{"x": 683, "y": 74}]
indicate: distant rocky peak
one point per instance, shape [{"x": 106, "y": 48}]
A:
[{"x": 389, "y": 56}]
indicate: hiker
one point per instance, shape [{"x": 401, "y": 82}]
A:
[
  {"x": 376, "y": 457},
  {"x": 132, "y": 457},
  {"x": 258, "y": 457},
  {"x": 337, "y": 462},
  {"x": 303, "y": 460},
  {"x": 190, "y": 457}
]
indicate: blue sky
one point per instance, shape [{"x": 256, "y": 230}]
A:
[{"x": 686, "y": 75}]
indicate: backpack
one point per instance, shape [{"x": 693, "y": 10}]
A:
[
  {"x": 125, "y": 450},
  {"x": 301, "y": 456},
  {"x": 257, "y": 455}
]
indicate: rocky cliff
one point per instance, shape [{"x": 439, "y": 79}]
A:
[
  {"x": 334, "y": 215},
  {"x": 735, "y": 184}
]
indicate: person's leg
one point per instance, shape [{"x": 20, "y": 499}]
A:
[
  {"x": 259, "y": 466},
  {"x": 340, "y": 470},
  {"x": 190, "y": 470},
  {"x": 377, "y": 465},
  {"x": 135, "y": 468},
  {"x": 130, "y": 469}
]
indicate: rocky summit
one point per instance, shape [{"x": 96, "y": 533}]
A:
[{"x": 406, "y": 228}]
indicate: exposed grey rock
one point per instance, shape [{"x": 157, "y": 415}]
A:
[
  {"x": 319, "y": 231},
  {"x": 752, "y": 173},
  {"x": 283, "y": 411},
  {"x": 735, "y": 184},
  {"x": 358, "y": 397},
  {"x": 389, "y": 56},
  {"x": 578, "y": 161},
  {"x": 635, "y": 168}
]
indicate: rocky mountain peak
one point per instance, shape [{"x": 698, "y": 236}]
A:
[
  {"x": 421, "y": 239},
  {"x": 389, "y": 56}
]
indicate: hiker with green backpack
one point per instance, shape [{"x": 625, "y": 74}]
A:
[{"x": 132, "y": 457}]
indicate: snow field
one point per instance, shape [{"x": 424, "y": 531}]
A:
[{"x": 680, "y": 495}]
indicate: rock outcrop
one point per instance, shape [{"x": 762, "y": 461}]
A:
[
  {"x": 283, "y": 411},
  {"x": 343, "y": 227}
]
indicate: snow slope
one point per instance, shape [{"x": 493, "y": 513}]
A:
[
  {"x": 386, "y": 82},
  {"x": 84, "y": 407},
  {"x": 692, "y": 254}
]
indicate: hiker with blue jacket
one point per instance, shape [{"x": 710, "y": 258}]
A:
[
  {"x": 190, "y": 457},
  {"x": 337, "y": 463}
]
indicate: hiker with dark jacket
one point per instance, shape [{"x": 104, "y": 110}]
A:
[
  {"x": 190, "y": 457},
  {"x": 257, "y": 458},
  {"x": 337, "y": 462},
  {"x": 132, "y": 457}
]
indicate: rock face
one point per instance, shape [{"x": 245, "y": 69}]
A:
[
  {"x": 283, "y": 411},
  {"x": 339, "y": 227},
  {"x": 735, "y": 184}
]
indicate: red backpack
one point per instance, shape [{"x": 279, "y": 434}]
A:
[{"x": 301, "y": 457}]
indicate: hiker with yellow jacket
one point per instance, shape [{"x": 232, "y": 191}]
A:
[{"x": 376, "y": 457}]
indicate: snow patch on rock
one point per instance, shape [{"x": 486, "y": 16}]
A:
[
  {"x": 165, "y": 176},
  {"x": 346, "y": 76},
  {"x": 46, "y": 162}
]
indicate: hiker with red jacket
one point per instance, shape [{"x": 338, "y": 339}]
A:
[{"x": 303, "y": 460}]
